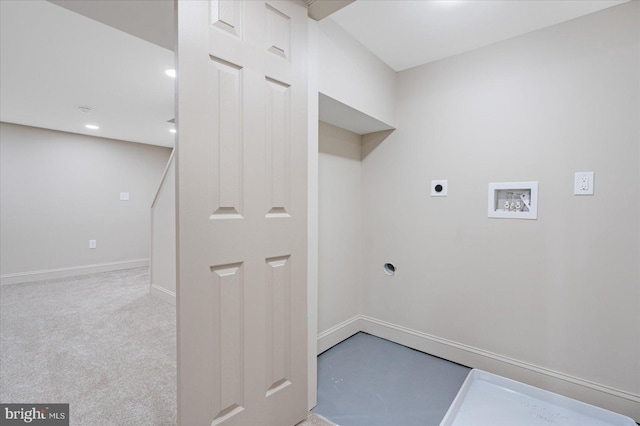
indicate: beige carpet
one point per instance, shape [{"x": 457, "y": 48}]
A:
[
  {"x": 315, "y": 420},
  {"x": 99, "y": 342}
]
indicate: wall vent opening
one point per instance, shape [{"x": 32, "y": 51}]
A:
[{"x": 389, "y": 269}]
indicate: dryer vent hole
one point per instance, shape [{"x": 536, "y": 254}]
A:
[{"x": 389, "y": 269}]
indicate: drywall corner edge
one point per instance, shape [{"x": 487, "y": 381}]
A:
[
  {"x": 312, "y": 214},
  {"x": 331, "y": 337},
  {"x": 162, "y": 293}
]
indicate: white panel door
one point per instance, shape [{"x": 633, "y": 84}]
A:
[{"x": 242, "y": 194}]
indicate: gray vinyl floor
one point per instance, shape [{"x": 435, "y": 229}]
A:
[{"x": 370, "y": 381}]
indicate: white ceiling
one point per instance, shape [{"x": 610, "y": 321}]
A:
[
  {"x": 405, "y": 34},
  {"x": 149, "y": 20},
  {"x": 53, "y": 60}
]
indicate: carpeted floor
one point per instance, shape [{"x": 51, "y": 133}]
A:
[
  {"x": 316, "y": 420},
  {"x": 98, "y": 342}
]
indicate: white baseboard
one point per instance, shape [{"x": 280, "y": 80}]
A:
[
  {"x": 338, "y": 333},
  {"x": 620, "y": 401},
  {"x": 163, "y": 294},
  {"x": 49, "y": 274}
]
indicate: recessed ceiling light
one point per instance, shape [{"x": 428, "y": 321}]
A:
[
  {"x": 172, "y": 130},
  {"x": 91, "y": 126},
  {"x": 171, "y": 73}
]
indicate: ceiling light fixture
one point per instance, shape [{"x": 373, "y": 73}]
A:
[
  {"x": 91, "y": 126},
  {"x": 172, "y": 130},
  {"x": 171, "y": 73}
]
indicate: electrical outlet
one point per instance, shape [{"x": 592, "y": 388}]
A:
[
  {"x": 583, "y": 183},
  {"x": 92, "y": 244}
]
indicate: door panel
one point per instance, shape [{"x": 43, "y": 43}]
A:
[
  {"x": 228, "y": 323},
  {"x": 277, "y": 320},
  {"x": 228, "y": 162},
  {"x": 277, "y": 134},
  {"x": 242, "y": 199}
]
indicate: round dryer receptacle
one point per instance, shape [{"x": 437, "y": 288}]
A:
[{"x": 439, "y": 188}]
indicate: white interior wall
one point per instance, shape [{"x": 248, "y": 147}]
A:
[
  {"x": 352, "y": 75},
  {"x": 59, "y": 190},
  {"x": 361, "y": 90},
  {"x": 163, "y": 237},
  {"x": 339, "y": 218},
  {"x": 555, "y": 301}
]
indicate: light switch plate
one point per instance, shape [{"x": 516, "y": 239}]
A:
[
  {"x": 92, "y": 244},
  {"x": 124, "y": 196},
  {"x": 439, "y": 188},
  {"x": 583, "y": 183}
]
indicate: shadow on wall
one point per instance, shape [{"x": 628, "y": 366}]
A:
[{"x": 371, "y": 141}]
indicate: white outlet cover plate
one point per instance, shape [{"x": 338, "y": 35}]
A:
[
  {"x": 443, "y": 192},
  {"x": 124, "y": 196},
  {"x": 577, "y": 183}
]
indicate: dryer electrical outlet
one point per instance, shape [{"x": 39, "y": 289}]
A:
[{"x": 439, "y": 188}]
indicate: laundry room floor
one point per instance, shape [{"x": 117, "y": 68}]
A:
[{"x": 366, "y": 380}]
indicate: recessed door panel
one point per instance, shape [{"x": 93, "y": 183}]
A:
[
  {"x": 278, "y": 324},
  {"x": 278, "y": 140},
  {"x": 278, "y": 35},
  {"x": 227, "y": 16},
  {"x": 227, "y": 144},
  {"x": 228, "y": 326}
]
